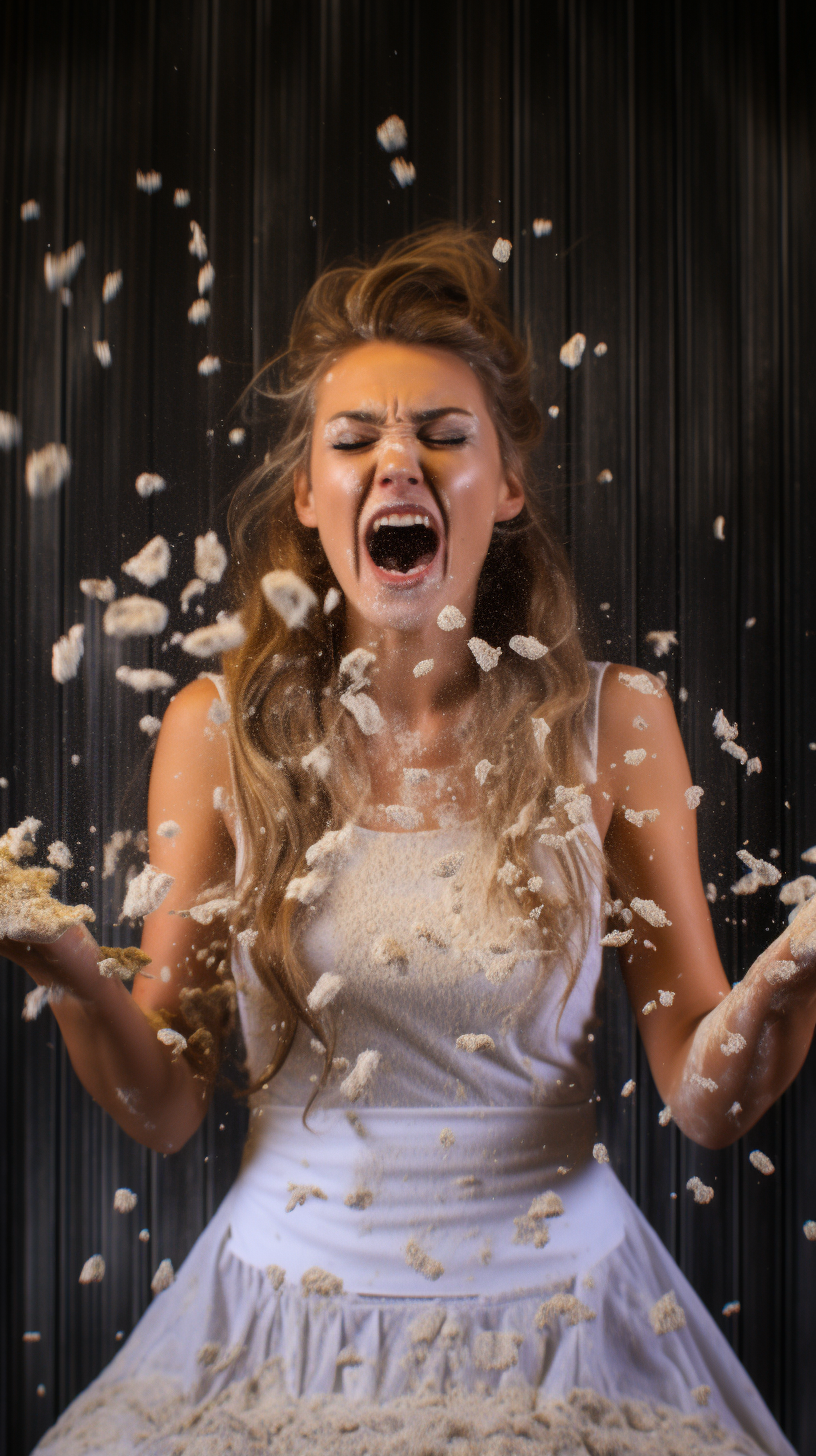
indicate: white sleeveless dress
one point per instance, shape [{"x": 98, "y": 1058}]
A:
[{"x": 416, "y": 1193}]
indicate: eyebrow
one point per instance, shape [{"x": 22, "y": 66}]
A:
[{"x": 417, "y": 417}]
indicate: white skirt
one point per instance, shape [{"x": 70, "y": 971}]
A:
[{"x": 224, "y": 1351}]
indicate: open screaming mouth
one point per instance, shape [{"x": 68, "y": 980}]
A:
[{"x": 404, "y": 543}]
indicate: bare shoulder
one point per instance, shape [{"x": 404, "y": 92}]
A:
[{"x": 634, "y": 712}]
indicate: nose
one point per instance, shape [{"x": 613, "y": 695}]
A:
[{"x": 397, "y": 466}]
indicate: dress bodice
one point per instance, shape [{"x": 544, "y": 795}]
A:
[{"x": 404, "y": 924}]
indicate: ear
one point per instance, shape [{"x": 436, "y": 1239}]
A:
[
  {"x": 304, "y": 504},
  {"x": 511, "y": 497}
]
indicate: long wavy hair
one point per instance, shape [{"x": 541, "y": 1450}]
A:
[{"x": 436, "y": 287}]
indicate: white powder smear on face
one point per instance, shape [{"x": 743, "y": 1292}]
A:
[
  {"x": 472, "y": 1041},
  {"x": 649, "y": 911},
  {"x": 221, "y": 636},
  {"x": 210, "y": 558},
  {"x": 135, "y": 617},
  {"x": 151, "y": 564},
  {"x": 667, "y": 1315},
  {"x": 145, "y": 893},
  {"x": 761, "y": 1162},
  {"x": 634, "y": 756},
  {"x": 358, "y": 1079},
  {"x": 528, "y": 647},
  {"x": 640, "y": 683},
  {"x": 450, "y": 618},
  {"x": 417, "y": 1258},
  {"x": 486, "y": 656},
  {"x": 702, "y": 1192},
  {"x": 572, "y": 352},
  {"x": 93, "y": 1270},
  {"x": 424, "y": 667}
]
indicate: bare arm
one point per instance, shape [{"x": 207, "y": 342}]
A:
[
  {"x": 750, "y": 1041},
  {"x": 112, "y": 1043}
]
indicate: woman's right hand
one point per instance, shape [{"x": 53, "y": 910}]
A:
[{"x": 110, "y": 1033}]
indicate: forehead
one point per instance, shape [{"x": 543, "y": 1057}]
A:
[{"x": 382, "y": 374}]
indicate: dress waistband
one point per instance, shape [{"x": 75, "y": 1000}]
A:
[{"x": 420, "y": 1201}]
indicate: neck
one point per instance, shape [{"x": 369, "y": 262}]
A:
[{"x": 407, "y": 701}]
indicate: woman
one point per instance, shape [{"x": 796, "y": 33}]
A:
[{"x": 420, "y": 789}]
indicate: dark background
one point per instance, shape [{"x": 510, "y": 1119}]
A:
[{"x": 671, "y": 144}]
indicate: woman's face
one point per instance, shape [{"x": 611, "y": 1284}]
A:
[{"x": 405, "y": 483}]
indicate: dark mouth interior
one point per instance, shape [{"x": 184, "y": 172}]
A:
[{"x": 401, "y": 548}]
